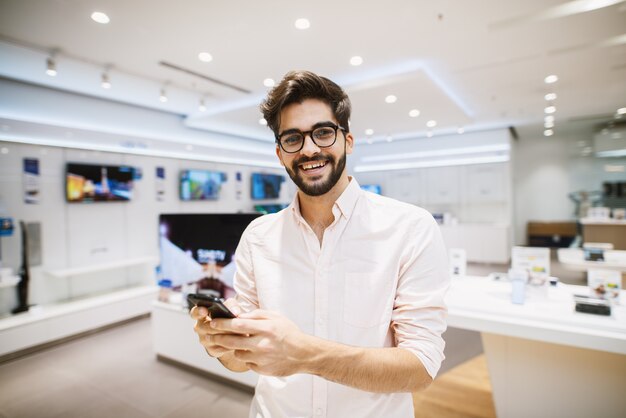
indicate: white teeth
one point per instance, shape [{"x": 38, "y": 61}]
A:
[{"x": 310, "y": 166}]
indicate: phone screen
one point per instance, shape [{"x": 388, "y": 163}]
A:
[{"x": 216, "y": 306}]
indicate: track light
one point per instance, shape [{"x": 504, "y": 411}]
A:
[
  {"x": 106, "y": 83},
  {"x": 51, "y": 67},
  {"x": 163, "y": 97},
  {"x": 202, "y": 106}
]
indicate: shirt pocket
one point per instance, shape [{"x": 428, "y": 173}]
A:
[{"x": 367, "y": 299}]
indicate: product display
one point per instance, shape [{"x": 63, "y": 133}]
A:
[
  {"x": 201, "y": 184},
  {"x": 200, "y": 248},
  {"x": 266, "y": 186},
  {"x": 98, "y": 183}
]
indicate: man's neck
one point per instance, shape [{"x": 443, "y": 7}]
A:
[{"x": 317, "y": 211}]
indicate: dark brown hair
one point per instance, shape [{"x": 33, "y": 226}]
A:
[{"x": 297, "y": 86}]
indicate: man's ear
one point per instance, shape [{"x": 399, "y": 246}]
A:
[
  {"x": 279, "y": 155},
  {"x": 349, "y": 142}
]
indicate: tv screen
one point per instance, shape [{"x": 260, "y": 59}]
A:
[
  {"x": 266, "y": 186},
  {"x": 374, "y": 188},
  {"x": 200, "y": 248},
  {"x": 265, "y": 209},
  {"x": 98, "y": 183},
  {"x": 201, "y": 184}
]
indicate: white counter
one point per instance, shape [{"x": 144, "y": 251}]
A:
[{"x": 545, "y": 359}]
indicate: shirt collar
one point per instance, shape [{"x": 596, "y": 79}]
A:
[{"x": 345, "y": 203}]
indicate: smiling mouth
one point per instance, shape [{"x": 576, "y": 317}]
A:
[{"x": 312, "y": 165}]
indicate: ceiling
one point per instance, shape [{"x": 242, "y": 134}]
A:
[{"x": 466, "y": 64}]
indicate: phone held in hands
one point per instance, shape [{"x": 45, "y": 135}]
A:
[{"x": 215, "y": 305}]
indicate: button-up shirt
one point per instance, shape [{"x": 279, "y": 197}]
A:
[{"x": 378, "y": 279}]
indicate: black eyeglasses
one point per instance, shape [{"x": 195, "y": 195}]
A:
[{"x": 292, "y": 141}]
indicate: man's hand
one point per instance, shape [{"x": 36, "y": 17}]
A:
[
  {"x": 206, "y": 333},
  {"x": 265, "y": 341}
]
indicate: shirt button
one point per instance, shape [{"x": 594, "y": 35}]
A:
[{"x": 318, "y": 411}]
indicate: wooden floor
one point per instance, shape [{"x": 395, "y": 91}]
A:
[{"x": 463, "y": 392}]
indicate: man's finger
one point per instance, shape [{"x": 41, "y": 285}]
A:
[
  {"x": 199, "y": 312},
  {"x": 258, "y": 314},
  {"x": 240, "y": 326},
  {"x": 233, "y": 306}
]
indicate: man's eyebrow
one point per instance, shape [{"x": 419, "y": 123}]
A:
[{"x": 317, "y": 125}]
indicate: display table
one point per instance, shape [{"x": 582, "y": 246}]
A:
[
  {"x": 174, "y": 339},
  {"x": 545, "y": 359}
]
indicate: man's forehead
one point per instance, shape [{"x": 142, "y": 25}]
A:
[{"x": 305, "y": 114}]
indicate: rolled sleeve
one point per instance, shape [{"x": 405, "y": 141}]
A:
[{"x": 419, "y": 314}]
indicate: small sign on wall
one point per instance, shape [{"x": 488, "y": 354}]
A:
[
  {"x": 31, "y": 181},
  {"x": 160, "y": 183}
]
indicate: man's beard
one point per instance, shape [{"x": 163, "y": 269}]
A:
[{"x": 317, "y": 188}]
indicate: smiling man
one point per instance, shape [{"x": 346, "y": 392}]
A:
[{"x": 339, "y": 296}]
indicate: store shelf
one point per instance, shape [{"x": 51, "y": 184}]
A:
[
  {"x": 46, "y": 323},
  {"x": 76, "y": 271}
]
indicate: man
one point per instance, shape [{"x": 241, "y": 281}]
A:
[{"x": 339, "y": 296}]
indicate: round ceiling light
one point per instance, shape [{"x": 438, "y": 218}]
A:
[
  {"x": 100, "y": 17},
  {"x": 391, "y": 99},
  {"x": 551, "y": 79},
  {"x": 302, "y": 24},
  {"x": 356, "y": 60},
  {"x": 414, "y": 113},
  {"x": 431, "y": 123},
  {"x": 205, "y": 57}
]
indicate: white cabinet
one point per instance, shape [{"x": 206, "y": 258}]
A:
[
  {"x": 486, "y": 183},
  {"x": 442, "y": 185}
]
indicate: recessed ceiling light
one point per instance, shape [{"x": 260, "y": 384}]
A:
[
  {"x": 100, "y": 17},
  {"x": 356, "y": 60},
  {"x": 263, "y": 122},
  {"x": 302, "y": 24},
  {"x": 548, "y": 132},
  {"x": 549, "y": 118},
  {"x": 460, "y": 131},
  {"x": 369, "y": 132},
  {"x": 621, "y": 111},
  {"x": 551, "y": 79},
  {"x": 550, "y": 109},
  {"x": 548, "y": 125},
  {"x": 391, "y": 99},
  {"x": 431, "y": 123},
  {"x": 414, "y": 113},
  {"x": 550, "y": 97},
  {"x": 269, "y": 82},
  {"x": 205, "y": 57}
]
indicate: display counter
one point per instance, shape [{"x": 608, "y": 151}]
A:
[
  {"x": 174, "y": 339},
  {"x": 611, "y": 231},
  {"x": 544, "y": 359}
]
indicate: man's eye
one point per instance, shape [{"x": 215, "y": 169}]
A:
[
  {"x": 291, "y": 139},
  {"x": 323, "y": 133}
]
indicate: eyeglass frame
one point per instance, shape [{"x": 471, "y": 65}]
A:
[{"x": 310, "y": 135}]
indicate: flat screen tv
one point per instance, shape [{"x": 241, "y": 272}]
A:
[
  {"x": 98, "y": 183},
  {"x": 199, "y": 249},
  {"x": 374, "y": 188},
  {"x": 271, "y": 208},
  {"x": 266, "y": 186},
  {"x": 201, "y": 184}
]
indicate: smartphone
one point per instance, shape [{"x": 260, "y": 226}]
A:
[{"x": 215, "y": 305}]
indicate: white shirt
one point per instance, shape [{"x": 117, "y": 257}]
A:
[{"x": 378, "y": 280}]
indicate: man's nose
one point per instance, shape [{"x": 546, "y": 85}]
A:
[{"x": 309, "y": 147}]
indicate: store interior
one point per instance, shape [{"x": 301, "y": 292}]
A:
[{"x": 133, "y": 155}]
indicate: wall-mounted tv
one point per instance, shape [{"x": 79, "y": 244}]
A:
[
  {"x": 271, "y": 208},
  {"x": 200, "y": 248},
  {"x": 201, "y": 184},
  {"x": 266, "y": 186},
  {"x": 98, "y": 183},
  {"x": 374, "y": 188}
]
